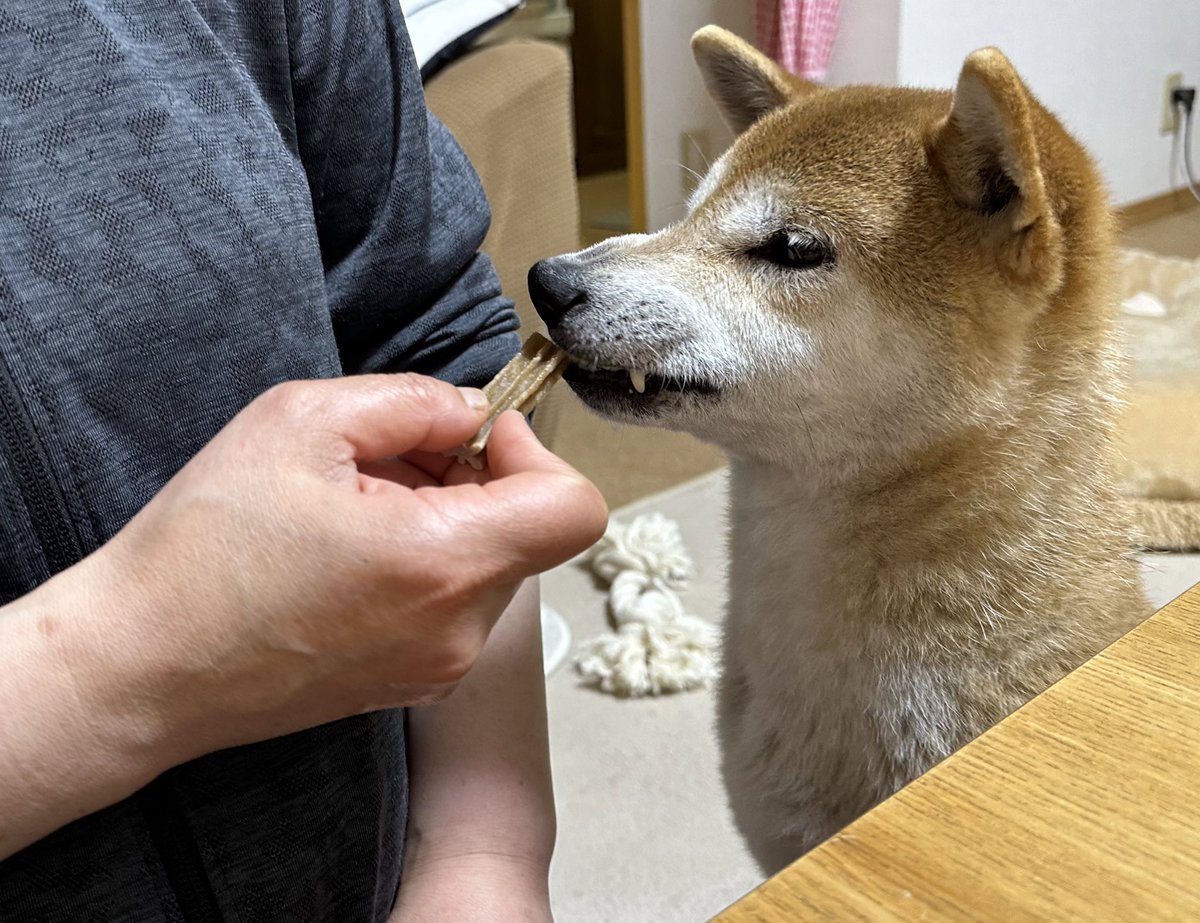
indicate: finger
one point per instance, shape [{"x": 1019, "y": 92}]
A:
[
  {"x": 448, "y": 471},
  {"x": 382, "y": 415},
  {"x": 522, "y": 525},
  {"x": 393, "y": 471},
  {"x": 535, "y": 513},
  {"x": 513, "y": 448}
]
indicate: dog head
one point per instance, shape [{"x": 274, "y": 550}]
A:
[{"x": 864, "y": 270}]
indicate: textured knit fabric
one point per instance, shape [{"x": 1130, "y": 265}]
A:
[{"x": 198, "y": 200}]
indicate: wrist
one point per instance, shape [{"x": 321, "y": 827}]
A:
[
  {"x": 74, "y": 738},
  {"x": 451, "y": 855},
  {"x": 126, "y": 667},
  {"x": 108, "y": 666}
]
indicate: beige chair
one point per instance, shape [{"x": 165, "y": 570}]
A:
[{"x": 509, "y": 106}]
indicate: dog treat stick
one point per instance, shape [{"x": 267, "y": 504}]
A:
[{"x": 520, "y": 386}]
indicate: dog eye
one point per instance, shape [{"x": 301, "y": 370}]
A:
[{"x": 795, "y": 250}]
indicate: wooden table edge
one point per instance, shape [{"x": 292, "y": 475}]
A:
[{"x": 781, "y": 897}]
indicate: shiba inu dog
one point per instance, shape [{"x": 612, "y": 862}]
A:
[{"x": 892, "y": 308}]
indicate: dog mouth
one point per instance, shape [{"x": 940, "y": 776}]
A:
[{"x": 635, "y": 390}]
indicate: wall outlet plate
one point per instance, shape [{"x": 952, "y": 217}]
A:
[{"x": 1170, "y": 115}]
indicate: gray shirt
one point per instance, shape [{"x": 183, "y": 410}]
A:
[{"x": 199, "y": 199}]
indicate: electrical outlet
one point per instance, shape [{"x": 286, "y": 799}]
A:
[
  {"x": 695, "y": 157},
  {"x": 1170, "y": 115}
]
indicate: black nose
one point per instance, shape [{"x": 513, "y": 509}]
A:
[{"x": 554, "y": 286}]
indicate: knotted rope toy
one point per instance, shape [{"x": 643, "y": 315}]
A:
[{"x": 657, "y": 647}]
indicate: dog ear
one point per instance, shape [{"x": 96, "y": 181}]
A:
[
  {"x": 987, "y": 150},
  {"x": 743, "y": 82}
]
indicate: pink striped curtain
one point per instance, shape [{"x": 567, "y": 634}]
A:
[{"x": 798, "y": 34}]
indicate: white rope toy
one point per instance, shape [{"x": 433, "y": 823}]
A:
[{"x": 657, "y": 648}]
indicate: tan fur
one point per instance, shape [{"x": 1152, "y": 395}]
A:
[{"x": 924, "y": 528}]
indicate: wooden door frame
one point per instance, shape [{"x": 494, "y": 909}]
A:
[{"x": 631, "y": 31}]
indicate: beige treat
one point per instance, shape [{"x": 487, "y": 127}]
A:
[{"x": 520, "y": 386}]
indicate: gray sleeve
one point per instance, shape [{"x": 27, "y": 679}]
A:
[{"x": 400, "y": 211}]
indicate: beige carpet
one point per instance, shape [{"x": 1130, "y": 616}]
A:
[
  {"x": 1160, "y": 424},
  {"x": 643, "y": 830},
  {"x": 1176, "y": 234},
  {"x": 644, "y": 834}
]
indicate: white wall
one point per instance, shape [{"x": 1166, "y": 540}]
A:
[
  {"x": 867, "y": 47},
  {"x": 1099, "y": 65},
  {"x": 673, "y": 96}
]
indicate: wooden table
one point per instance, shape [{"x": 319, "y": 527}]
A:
[{"x": 1083, "y": 805}]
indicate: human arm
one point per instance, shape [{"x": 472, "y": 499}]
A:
[
  {"x": 482, "y": 825},
  {"x": 401, "y": 216},
  {"x": 294, "y": 572}
]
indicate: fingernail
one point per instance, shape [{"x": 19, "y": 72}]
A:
[{"x": 475, "y": 398}]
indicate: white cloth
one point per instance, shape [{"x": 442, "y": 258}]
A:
[{"x": 435, "y": 24}]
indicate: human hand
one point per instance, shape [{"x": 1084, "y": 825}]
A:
[{"x": 321, "y": 558}]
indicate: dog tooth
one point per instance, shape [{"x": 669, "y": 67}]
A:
[{"x": 638, "y": 377}]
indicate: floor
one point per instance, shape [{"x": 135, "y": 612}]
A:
[
  {"x": 1173, "y": 235},
  {"x": 643, "y": 834}
]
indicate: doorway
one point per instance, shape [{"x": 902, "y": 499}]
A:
[{"x": 606, "y": 62}]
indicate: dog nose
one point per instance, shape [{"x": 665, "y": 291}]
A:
[{"x": 554, "y": 286}]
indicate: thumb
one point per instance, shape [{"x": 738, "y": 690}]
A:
[{"x": 537, "y": 511}]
